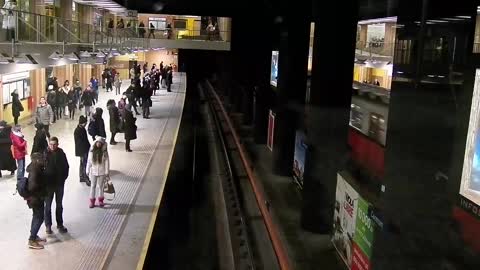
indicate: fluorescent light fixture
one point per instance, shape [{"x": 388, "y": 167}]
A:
[
  {"x": 453, "y": 19},
  {"x": 55, "y": 56},
  {"x": 438, "y": 21},
  {"x": 5, "y": 59},
  {"x": 100, "y": 54},
  {"x": 431, "y": 76},
  {"x": 463, "y": 17},
  {"x": 85, "y": 54},
  {"x": 72, "y": 57},
  {"x": 25, "y": 59},
  {"x": 379, "y": 20}
]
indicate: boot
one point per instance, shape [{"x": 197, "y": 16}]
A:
[
  {"x": 92, "y": 202},
  {"x": 87, "y": 182},
  {"x": 100, "y": 202}
]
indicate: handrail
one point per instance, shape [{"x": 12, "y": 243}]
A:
[{"x": 274, "y": 235}]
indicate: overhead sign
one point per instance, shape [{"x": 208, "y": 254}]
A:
[{"x": 131, "y": 14}]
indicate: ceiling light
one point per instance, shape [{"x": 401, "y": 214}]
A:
[
  {"x": 72, "y": 57},
  {"x": 5, "y": 59},
  {"x": 25, "y": 59},
  {"x": 55, "y": 56},
  {"x": 84, "y": 54},
  {"x": 100, "y": 54},
  {"x": 463, "y": 17}
]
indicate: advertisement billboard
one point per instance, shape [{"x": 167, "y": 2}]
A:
[
  {"x": 274, "y": 69},
  {"x": 271, "y": 129},
  {"x": 353, "y": 227},
  {"x": 344, "y": 219},
  {"x": 299, "y": 157},
  {"x": 470, "y": 183}
]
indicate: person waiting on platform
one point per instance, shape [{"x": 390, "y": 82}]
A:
[
  {"x": 130, "y": 128},
  {"x": 19, "y": 149},
  {"x": 17, "y": 106},
  {"x": 82, "y": 146},
  {"x": 98, "y": 125},
  {"x": 40, "y": 142},
  {"x": 38, "y": 191},
  {"x": 71, "y": 103},
  {"x": 44, "y": 115},
  {"x": 114, "y": 120},
  {"x": 7, "y": 162},
  {"x": 56, "y": 172},
  {"x": 98, "y": 168}
]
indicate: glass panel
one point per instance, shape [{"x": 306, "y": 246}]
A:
[
  {"x": 19, "y": 87},
  {"x": 27, "y": 88},
  {"x": 6, "y": 93}
]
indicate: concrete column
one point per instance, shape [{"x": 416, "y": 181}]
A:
[{"x": 65, "y": 8}]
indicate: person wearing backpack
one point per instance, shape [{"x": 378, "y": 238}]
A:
[
  {"x": 56, "y": 172},
  {"x": 96, "y": 127},
  {"x": 19, "y": 149},
  {"x": 36, "y": 192}
]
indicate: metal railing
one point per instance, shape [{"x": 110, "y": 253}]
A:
[
  {"x": 375, "y": 48},
  {"x": 25, "y": 26}
]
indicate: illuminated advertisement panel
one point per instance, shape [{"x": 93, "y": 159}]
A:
[{"x": 274, "y": 69}]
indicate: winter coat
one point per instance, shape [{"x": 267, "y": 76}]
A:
[
  {"x": 56, "y": 168},
  {"x": 8, "y": 16},
  {"x": 37, "y": 185},
  {"x": 100, "y": 126},
  {"x": 52, "y": 98},
  {"x": 17, "y": 106},
  {"x": 82, "y": 145},
  {"x": 71, "y": 99},
  {"x": 87, "y": 98},
  {"x": 40, "y": 143},
  {"x": 6, "y": 158},
  {"x": 121, "y": 107},
  {"x": 114, "y": 119},
  {"x": 129, "y": 126},
  {"x": 98, "y": 169},
  {"x": 44, "y": 115},
  {"x": 19, "y": 145},
  {"x": 61, "y": 98}
]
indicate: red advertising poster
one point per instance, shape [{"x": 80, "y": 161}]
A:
[
  {"x": 360, "y": 261},
  {"x": 271, "y": 128}
]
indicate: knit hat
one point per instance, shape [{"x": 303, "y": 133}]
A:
[
  {"x": 100, "y": 139},
  {"x": 82, "y": 120},
  {"x": 17, "y": 128}
]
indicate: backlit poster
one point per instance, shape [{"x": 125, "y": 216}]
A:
[
  {"x": 299, "y": 157},
  {"x": 345, "y": 216},
  {"x": 363, "y": 240},
  {"x": 271, "y": 129},
  {"x": 470, "y": 184},
  {"x": 274, "y": 69},
  {"x": 310, "y": 51}
]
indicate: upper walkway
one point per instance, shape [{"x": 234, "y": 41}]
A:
[{"x": 116, "y": 236}]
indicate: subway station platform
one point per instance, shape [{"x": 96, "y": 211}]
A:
[{"x": 117, "y": 236}]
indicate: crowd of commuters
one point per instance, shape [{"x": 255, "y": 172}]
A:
[{"x": 49, "y": 166}]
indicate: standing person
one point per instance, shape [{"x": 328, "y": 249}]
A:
[
  {"x": 94, "y": 86},
  {"x": 130, "y": 128},
  {"x": 7, "y": 162},
  {"x": 88, "y": 100},
  {"x": 110, "y": 27},
  {"x": 37, "y": 190},
  {"x": 44, "y": 115},
  {"x": 61, "y": 102},
  {"x": 114, "y": 120},
  {"x": 56, "y": 172},
  {"x": 82, "y": 146},
  {"x": 109, "y": 83},
  {"x": 66, "y": 88},
  {"x": 72, "y": 103},
  {"x": 19, "y": 149},
  {"x": 169, "y": 79},
  {"x": 145, "y": 68},
  {"x": 77, "y": 88},
  {"x": 52, "y": 101},
  {"x": 169, "y": 31},
  {"x": 141, "y": 30},
  {"x": 98, "y": 168},
  {"x": 118, "y": 84},
  {"x": 9, "y": 18},
  {"x": 131, "y": 95},
  {"x": 152, "y": 31},
  {"x": 99, "y": 124},
  {"x": 40, "y": 142},
  {"x": 17, "y": 106}
]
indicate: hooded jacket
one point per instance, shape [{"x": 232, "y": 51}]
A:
[{"x": 19, "y": 145}]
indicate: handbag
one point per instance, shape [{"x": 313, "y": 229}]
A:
[{"x": 109, "y": 188}]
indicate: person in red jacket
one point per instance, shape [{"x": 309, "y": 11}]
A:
[{"x": 19, "y": 149}]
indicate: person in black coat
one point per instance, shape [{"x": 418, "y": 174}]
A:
[
  {"x": 130, "y": 128},
  {"x": 17, "y": 106},
  {"x": 56, "y": 172},
  {"x": 6, "y": 159},
  {"x": 82, "y": 146},
  {"x": 100, "y": 124},
  {"x": 36, "y": 201},
  {"x": 40, "y": 143},
  {"x": 114, "y": 120}
]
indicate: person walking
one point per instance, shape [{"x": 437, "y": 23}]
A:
[
  {"x": 17, "y": 106},
  {"x": 9, "y": 18},
  {"x": 98, "y": 168},
  {"x": 40, "y": 142},
  {"x": 19, "y": 149},
  {"x": 52, "y": 101},
  {"x": 7, "y": 162},
  {"x": 141, "y": 30},
  {"x": 44, "y": 115},
  {"x": 130, "y": 128},
  {"x": 114, "y": 120},
  {"x": 56, "y": 172},
  {"x": 36, "y": 201},
  {"x": 82, "y": 146},
  {"x": 131, "y": 94},
  {"x": 88, "y": 100},
  {"x": 72, "y": 103},
  {"x": 77, "y": 88},
  {"x": 94, "y": 86},
  {"x": 152, "y": 31},
  {"x": 64, "y": 94},
  {"x": 169, "y": 79},
  {"x": 118, "y": 84}
]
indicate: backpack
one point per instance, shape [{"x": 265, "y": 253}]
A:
[
  {"x": 92, "y": 128},
  {"x": 22, "y": 187}
]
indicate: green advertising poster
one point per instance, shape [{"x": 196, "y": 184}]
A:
[{"x": 364, "y": 228}]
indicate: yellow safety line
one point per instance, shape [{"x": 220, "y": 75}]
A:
[{"x": 149, "y": 233}]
